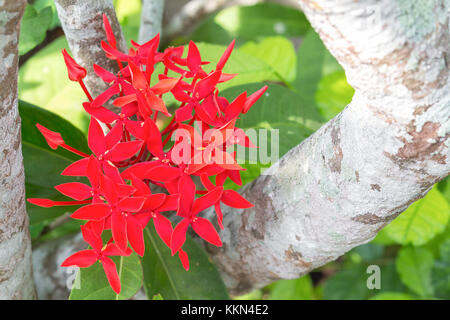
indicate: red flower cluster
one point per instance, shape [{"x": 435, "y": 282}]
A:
[{"x": 135, "y": 154}]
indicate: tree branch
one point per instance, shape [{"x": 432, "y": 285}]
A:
[
  {"x": 16, "y": 281},
  {"x": 151, "y": 19},
  {"x": 83, "y": 26},
  {"x": 359, "y": 171}
]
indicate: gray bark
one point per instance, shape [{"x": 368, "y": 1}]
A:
[
  {"x": 16, "y": 281},
  {"x": 151, "y": 19},
  {"x": 83, "y": 26}
]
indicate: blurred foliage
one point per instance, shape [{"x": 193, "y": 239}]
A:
[{"x": 275, "y": 46}]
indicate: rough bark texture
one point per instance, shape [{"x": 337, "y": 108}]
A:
[
  {"x": 16, "y": 281},
  {"x": 151, "y": 19},
  {"x": 353, "y": 176},
  {"x": 83, "y": 26}
]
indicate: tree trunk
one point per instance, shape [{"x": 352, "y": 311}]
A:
[
  {"x": 352, "y": 177},
  {"x": 82, "y": 22},
  {"x": 16, "y": 280},
  {"x": 151, "y": 19}
]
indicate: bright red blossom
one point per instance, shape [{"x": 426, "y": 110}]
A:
[{"x": 131, "y": 156}]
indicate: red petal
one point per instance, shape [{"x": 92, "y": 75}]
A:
[
  {"x": 179, "y": 235},
  {"x": 187, "y": 190},
  {"x": 139, "y": 169},
  {"x": 219, "y": 215},
  {"x": 171, "y": 203},
  {"x": 111, "y": 273},
  {"x": 74, "y": 70},
  {"x": 75, "y": 190},
  {"x": 225, "y": 56},
  {"x": 204, "y": 228},
  {"x": 109, "y": 32},
  {"x": 112, "y": 250},
  {"x": 135, "y": 235},
  {"x": 207, "y": 200},
  {"x": 104, "y": 97},
  {"x": 163, "y": 227},
  {"x": 54, "y": 139},
  {"x": 164, "y": 85},
  {"x": 194, "y": 60},
  {"x": 233, "y": 199},
  {"x": 119, "y": 230},
  {"x": 154, "y": 201},
  {"x": 184, "y": 259},
  {"x": 153, "y": 138},
  {"x": 78, "y": 168},
  {"x": 96, "y": 138},
  {"x": 253, "y": 98},
  {"x": 131, "y": 204},
  {"x": 137, "y": 77},
  {"x": 124, "y": 150},
  {"x": 123, "y": 101},
  {"x": 163, "y": 173},
  {"x": 82, "y": 259},
  {"x": 97, "y": 211},
  {"x": 91, "y": 237},
  {"x": 235, "y": 108},
  {"x": 114, "y": 135},
  {"x": 104, "y": 74}
]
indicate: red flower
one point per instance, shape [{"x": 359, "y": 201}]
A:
[
  {"x": 86, "y": 258},
  {"x": 133, "y": 141}
]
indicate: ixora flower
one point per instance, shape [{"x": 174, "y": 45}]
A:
[{"x": 131, "y": 156}]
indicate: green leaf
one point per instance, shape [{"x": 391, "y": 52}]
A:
[
  {"x": 333, "y": 94},
  {"x": 41, "y": 4},
  {"x": 414, "y": 266},
  {"x": 34, "y": 27},
  {"x": 392, "y": 296},
  {"x": 348, "y": 284},
  {"x": 369, "y": 251},
  {"x": 164, "y": 274},
  {"x": 249, "y": 68},
  {"x": 43, "y": 165},
  {"x": 422, "y": 221},
  {"x": 43, "y": 81},
  {"x": 250, "y": 22},
  {"x": 297, "y": 289},
  {"x": 277, "y": 52},
  {"x": 320, "y": 79},
  {"x": 281, "y": 109},
  {"x": 91, "y": 283},
  {"x": 441, "y": 272}
]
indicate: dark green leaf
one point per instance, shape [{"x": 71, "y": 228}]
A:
[
  {"x": 164, "y": 274},
  {"x": 441, "y": 272},
  {"x": 369, "y": 251},
  {"x": 43, "y": 165},
  {"x": 348, "y": 284}
]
